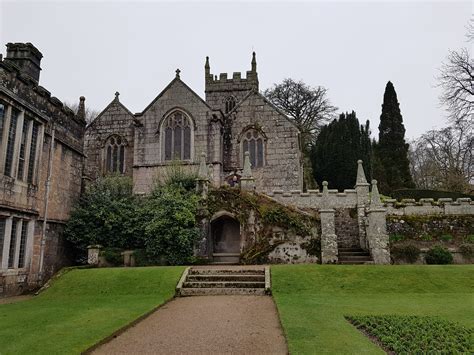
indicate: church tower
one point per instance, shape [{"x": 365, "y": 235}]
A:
[{"x": 223, "y": 93}]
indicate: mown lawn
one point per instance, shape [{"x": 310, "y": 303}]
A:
[
  {"x": 82, "y": 307},
  {"x": 313, "y": 299}
]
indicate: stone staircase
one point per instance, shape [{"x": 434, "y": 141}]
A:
[
  {"x": 354, "y": 256},
  {"x": 238, "y": 280}
]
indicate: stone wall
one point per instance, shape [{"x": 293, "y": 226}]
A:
[
  {"x": 282, "y": 153},
  {"x": 115, "y": 119},
  {"x": 269, "y": 231},
  {"x": 428, "y": 206},
  {"x": 148, "y": 153},
  {"x": 347, "y": 228}
]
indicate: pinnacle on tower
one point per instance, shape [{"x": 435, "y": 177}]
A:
[{"x": 254, "y": 62}]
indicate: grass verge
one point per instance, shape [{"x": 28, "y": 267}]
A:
[
  {"x": 82, "y": 307},
  {"x": 313, "y": 299}
]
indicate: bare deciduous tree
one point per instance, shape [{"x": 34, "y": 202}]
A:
[
  {"x": 91, "y": 114},
  {"x": 444, "y": 159},
  {"x": 309, "y": 107},
  {"x": 457, "y": 82}
]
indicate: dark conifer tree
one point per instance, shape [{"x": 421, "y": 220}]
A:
[
  {"x": 338, "y": 147},
  {"x": 391, "y": 165}
]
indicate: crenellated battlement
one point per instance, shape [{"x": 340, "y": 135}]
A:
[
  {"x": 428, "y": 206},
  {"x": 219, "y": 88},
  {"x": 314, "y": 198}
]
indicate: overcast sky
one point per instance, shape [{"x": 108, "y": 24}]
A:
[{"x": 351, "y": 48}]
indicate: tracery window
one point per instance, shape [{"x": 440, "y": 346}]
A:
[
  {"x": 229, "y": 104},
  {"x": 177, "y": 136},
  {"x": 115, "y": 155},
  {"x": 253, "y": 142}
]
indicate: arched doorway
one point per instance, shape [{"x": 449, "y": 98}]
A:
[{"x": 225, "y": 232}]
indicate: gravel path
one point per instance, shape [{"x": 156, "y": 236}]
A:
[{"x": 205, "y": 325}]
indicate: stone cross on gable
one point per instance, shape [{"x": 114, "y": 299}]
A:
[{"x": 177, "y": 72}]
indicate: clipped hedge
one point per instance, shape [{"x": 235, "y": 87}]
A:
[
  {"x": 415, "y": 334},
  {"x": 420, "y": 193}
]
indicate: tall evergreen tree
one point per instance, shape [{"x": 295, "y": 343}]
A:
[
  {"x": 338, "y": 147},
  {"x": 391, "y": 165}
]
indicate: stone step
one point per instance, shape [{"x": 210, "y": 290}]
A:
[
  {"x": 350, "y": 253},
  {"x": 224, "y": 284},
  {"x": 228, "y": 258},
  {"x": 355, "y": 257},
  {"x": 222, "y": 291},
  {"x": 224, "y": 271},
  {"x": 226, "y": 277},
  {"x": 355, "y": 262},
  {"x": 350, "y": 250}
]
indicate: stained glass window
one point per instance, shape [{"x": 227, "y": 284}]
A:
[
  {"x": 115, "y": 155},
  {"x": 255, "y": 145},
  {"x": 177, "y": 137}
]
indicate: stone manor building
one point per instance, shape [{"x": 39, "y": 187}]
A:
[
  {"x": 178, "y": 126},
  {"x": 41, "y": 160}
]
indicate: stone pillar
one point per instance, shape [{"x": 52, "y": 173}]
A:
[
  {"x": 201, "y": 247},
  {"x": 328, "y": 230},
  {"x": 202, "y": 180},
  {"x": 93, "y": 254},
  {"x": 247, "y": 182},
  {"x": 377, "y": 237},
  {"x": 128, "y": 258},
  {"x": 362, "y": 189}
]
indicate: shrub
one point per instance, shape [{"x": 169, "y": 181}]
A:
[
  {"x": 438, "y": 255},
  {"x": 467, "y": 249},
  {"x": 170, "y": 231},
  {"x": 396, "y": 237},
  {"x": 106, "y": 214},
  {"x": 470, "y": 238},
  {"x": 113, "y": 256},
  {"x": 446, "y": 237},
  {"x": 409, "y": 252},
  {"x": 178, "y": 175},
  {"x": 415, "y": 334}
]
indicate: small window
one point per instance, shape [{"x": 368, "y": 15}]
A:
[
  {"x": 22, "y": 155},
  {"x": 11, "y": 252},
  {"x": 2, "y": 237},
  {"x": 2, "y": 120},
  {"x": 11, "y": 142},
  {"x": 115, "y": 155},
  {"x": 229, "y": 104},
  {"x": 33, "y": 148},
  {"x": 254, "y": 143},
  {"x": 23, "y": 239},
  {"x": 177, "y": 137}
]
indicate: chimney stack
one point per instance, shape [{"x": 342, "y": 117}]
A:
[{"x": 26, "y": 57}]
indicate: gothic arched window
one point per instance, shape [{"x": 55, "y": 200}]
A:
[
  {"x": 177, "y": 136},
  {"x": 115, "y": 155},
  {"x": 253, "y": 142},
  {"x": 229, "y": 104}
]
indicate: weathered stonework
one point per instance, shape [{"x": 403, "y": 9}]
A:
[
  {"x": 218, "y": 130},
  {"x": 27, "y": 200}
]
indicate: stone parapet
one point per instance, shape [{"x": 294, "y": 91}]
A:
[{"x": 428, "y": 206}]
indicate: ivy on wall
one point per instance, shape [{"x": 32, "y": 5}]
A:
[{"x": 268, "y": 214}]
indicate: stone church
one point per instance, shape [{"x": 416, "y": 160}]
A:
[{"x": 178, "y": 126}]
